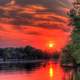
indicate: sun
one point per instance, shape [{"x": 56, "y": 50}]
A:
[{"x": 51, "y": 45}]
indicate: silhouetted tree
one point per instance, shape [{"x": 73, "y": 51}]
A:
[{"x": 72, "y": 51}]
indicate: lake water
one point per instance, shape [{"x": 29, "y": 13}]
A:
[{"x": 47, "y": 71}]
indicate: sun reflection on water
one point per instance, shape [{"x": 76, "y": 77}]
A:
[{"x": 51, "y": 72}]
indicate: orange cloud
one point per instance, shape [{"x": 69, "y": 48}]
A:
[
  {"x": 50, "y": 15},
  {"x": 37, "y": 7},
  {"x": 11, "y": 6},
  {"x": 32, "y": 9}
]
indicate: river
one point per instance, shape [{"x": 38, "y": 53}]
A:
[{"x": 46, "y": 71}]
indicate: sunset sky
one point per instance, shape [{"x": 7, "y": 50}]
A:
[{"x": 34, "y": 22}]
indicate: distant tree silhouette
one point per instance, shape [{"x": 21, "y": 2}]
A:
[
  {"x": 22, "y": 53},
  {"x": 56, "y": 56}
]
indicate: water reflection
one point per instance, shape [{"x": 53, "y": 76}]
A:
[
  {"x": 51, "y": 71},
  {"x": 29, "y": 67},
  {"x": 45, "y": 70}
]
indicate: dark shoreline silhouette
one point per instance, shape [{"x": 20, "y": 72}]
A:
[{"x": 27, "y": 58}]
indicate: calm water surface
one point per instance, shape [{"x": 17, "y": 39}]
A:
[{"x": 50, "y": 71}]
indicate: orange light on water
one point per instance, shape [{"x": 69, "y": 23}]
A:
[{"x": 51, "y": 72}]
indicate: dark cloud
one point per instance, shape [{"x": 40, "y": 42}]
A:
[
  {"x": 34, "y": 13},
  {"x": 52, "y": 5},
  {"x": 33, "y": 33},
  {"x": 25, "y": 2},
  {"x": 2, "y": 2}
]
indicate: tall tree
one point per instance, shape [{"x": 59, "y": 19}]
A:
[{"x": 71, "y": 53}]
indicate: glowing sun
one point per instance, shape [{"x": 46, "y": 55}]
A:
[{"x": 51, "y": 45}]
